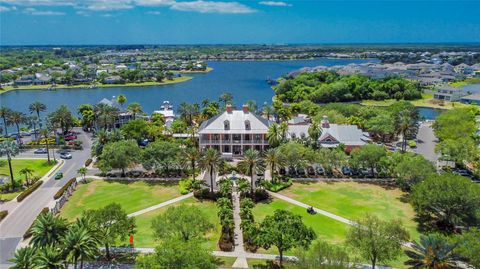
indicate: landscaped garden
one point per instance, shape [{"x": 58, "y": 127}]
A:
[
  {"x": 39, "y": 168},
  {"x": 131, "y": 195}
]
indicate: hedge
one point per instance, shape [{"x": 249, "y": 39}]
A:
[
  {"x": 28, "y": 191},
  {"x": 277, "y": 186},
  {"x": 206, "y": 194},
  {"x": 88, "y": 162},
  {"x": 28, "y": 233},
  {"x": 3, "y": 214},
  {"x": 63, "y": 189}
]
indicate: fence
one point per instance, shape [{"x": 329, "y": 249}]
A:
[{"x": 64, "y": 198}]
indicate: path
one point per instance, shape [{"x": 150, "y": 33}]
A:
[
  {"x": 166, "y": 203},
  {"x": 319, "y": 211},
  {"x": 427, "y": 142},
  {"x": 239, "y": 252}
]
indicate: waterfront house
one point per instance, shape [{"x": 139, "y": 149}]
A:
[
  {"x": 471, "y": 99},
  {"x": 113, "y": 80},
  {"x": 448, "y": 93},
  {"x": 332, "y": 135},
  {"x": 123, "y": 116},
  {"x": 234, "y": 131},
  {"x": 167, "y": 111}
]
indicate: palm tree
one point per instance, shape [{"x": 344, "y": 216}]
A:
[
  {"x": 44, "y": 133},
  {"x": 273, "y": 158},
  {"x": 32, "y": 122},
  {"x": 121, "y": 99},
  {"x": 252, "y": 106},
  {"x": 82, "y": 171},
  {"x": 274, "y": 135},
  {"x": 37, "y": 107},
  {"x": 17, "y": 118},
  {"x": 10, "y": 149},
  {"x": 433, "y": 252},
  {"x": 5, "y": 114},
  {"x": 80, "y": 244},
  {"x": 267, "y": 110},
  {"x": 188, "y": 112},
  {"x": 314, "y": 132},
  {"x": 134, "y": 108},
  {"x": 226, "y": 98},
  {"x": 62, "y": 118},
  {"x": 50, "y": 258},
  {"x": 252, "y": 162},
  {"x": 191, "y": 156},
  {"x": 105, "y": 114},
  {"x": 28, "y": 172},
  {"x": 210, "y": 161},
  {"x": 24, "y": 258},
  {"x": 48, "y": 230}
]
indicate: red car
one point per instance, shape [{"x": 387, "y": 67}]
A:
[{"x": 70, "y": 137}]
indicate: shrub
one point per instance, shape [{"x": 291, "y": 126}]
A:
[
  {"x": 63, "y": 189},
  {"x": 226, "y": 244},
  {"x": 412, "y": 143},
  {"x": 277, "y": 185},
  {"x": 88, "y": 162},
  {"x": 258, "y": 195},
  {"x": 3, "y": 214},
  {"x": 206, "y": 194},
  {"x": 28, "y": 191},
  {"x": 28, "y": 233}
]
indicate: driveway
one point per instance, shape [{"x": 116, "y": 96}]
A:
[
  {"x": 427, "y": 142},
  {"x": 21, "y": 215}
]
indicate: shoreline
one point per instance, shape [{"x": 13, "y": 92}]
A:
[
  {"x": 208, "y": 70},
  {"x": 96, "y": 86},
  {"x": 421, "y": 103}
]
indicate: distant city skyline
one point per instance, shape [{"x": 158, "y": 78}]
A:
[{"x": 98, "y": 22}]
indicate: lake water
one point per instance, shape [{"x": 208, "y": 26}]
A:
[{"x": 245, "y": 80}]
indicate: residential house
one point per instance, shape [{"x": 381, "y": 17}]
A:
[
  {"x": 167, "y": 111},
  {"x": 123, "y": 116},
  {"x": 471, "y": 99},
  {"x": 234, "y": 131},
  {"x": 448, "y": 93},
  {"x": 113, "y": 80}
]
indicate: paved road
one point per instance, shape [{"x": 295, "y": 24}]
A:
[
  {"x": 21, "y": 215},
  {"x": 427, "y": 142}
]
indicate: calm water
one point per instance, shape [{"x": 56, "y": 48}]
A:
[{"x": 245, "y": 80}]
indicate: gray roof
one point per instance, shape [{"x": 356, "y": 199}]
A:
[
  {"x": 237, "y": 120},
  {"x": 472, "y": 97},
  {"x": 343, "y": 134}
]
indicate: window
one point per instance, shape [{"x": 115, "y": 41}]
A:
[
  {"x": 247, "y": 125},
  {"x": 226, "y": 125}
]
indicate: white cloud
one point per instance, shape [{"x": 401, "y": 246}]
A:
[
  {"x": 212, "y": 7},
  {"x": 108, "y": 5},
  {"x": 154, "y": 12},
  {"x": 275, "y": 3},
  {"x": 33, "y": 11},
  {"x": 4, "y": 9}
]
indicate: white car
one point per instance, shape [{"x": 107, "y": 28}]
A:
[
  {"x": 65, "y": 155},
  {"x": 40, "y": 151}
]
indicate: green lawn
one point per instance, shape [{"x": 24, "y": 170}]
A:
[
  {"x": 353, "y": 200},
  {"x": 40, "y": 167},
  {"x": 144, "y": 235},
  {"x": 426, "y": 101},
  {"x": 132, "y": 196},
  {"x": 465, "y": 82}
]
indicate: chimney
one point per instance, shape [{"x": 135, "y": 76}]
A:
[
  {"x": 245, "y": 109},
  {"x": 229, "y": 109},
  {"x": 325, "y": 122}
]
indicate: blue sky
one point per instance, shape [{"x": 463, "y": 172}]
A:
[{"x": 58, "y": 22}]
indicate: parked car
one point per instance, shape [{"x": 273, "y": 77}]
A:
[
  {"x": 301, "y": 171},
  {"x": 320, "y": 170},
  {"x": 311, "y": 171},
  {"x": 70, "y": 137},
  {"x": 291, "y": 171},
  {"x": 463, "y": 172},
  {"x": 134, "y": 173},
  {"x": 40, "y": 151},
  {"x": 366, "y": 172},
  {"x": 143, "y": 143},
  {"x": 282, "y": 171},
  {"x": 58, "y": 176},
  {"x": 65, "y": 155},
  {"x": 346, "y": 171}
]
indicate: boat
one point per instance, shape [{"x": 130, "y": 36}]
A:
[{"x": 271, "y": 82}]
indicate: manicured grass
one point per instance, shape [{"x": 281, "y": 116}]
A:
[
  {"x": 209, "y": 69},
  {"x": 39, "y": 167},
  {"x": 353, "y": 200},
  {"x": 144, "y": 236},
  {"x": 426, "y": 101},
  {"x": 9, "y": 196},
  {"x": 61, "y": 86},
  {"x": 465, "y": 82},
  {"x": 132, "y": 196}
]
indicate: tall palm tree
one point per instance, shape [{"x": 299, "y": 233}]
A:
[
  {"x": 17, "y": 118},
  {"x": 82, "y": 171},
  {"x": 405, "y": 123},
  {"x": 134, "y": 108},
  {"x": 105, "y": 115},
  {"x": 226, "y": 98},
  {"x": 50, "y": 258},
  {"x": 24, "y": 258},
  {"x": 37, "y": 107},
  {"x": 191, "y": 156},
  {"x": 61, "y": 118},
  {"x": 27, "y": 172},
  {"x": 283, "y": 130},
  {"x": 44, "y": 133},
  {"x": 5, "y": 114},
  {"x": 48, "y": 230},
  {"x": 210, "y": 161},
  {"x": 252, "y": 162},
  {"x": 433, "y": 252},
  {"x": 32, "y": 122},
  {"x": 121, "y": 99},
  {"x": 252, "y": 106},
  {"x": 267, "y": 110},
  {"x": 314, "y": 132},
  {"x": 80, "y": 244},
  {"x": 274, "y": 135},
  {"x": 274, "y": 159},
  {"x": 10, "y": 149}
]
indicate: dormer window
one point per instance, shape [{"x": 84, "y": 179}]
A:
[
  {"x": 247, "y": 125},
  {"x": 226, "y": 125},
  {"x": 302, "y": 135}
]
